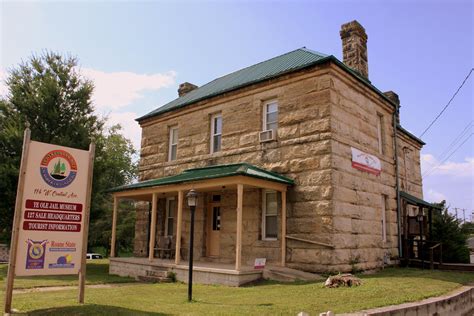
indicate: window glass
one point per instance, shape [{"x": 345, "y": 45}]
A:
[
  {"x": 170, "y": 217},
  {"x": 173, "y": 149},
  {"x": 270, "y": 218},
  {"x": 216, "y": 133},
  {"x": 271, "y": 116}
]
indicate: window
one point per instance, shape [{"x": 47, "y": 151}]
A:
[
  {"x": 216, "y": 133},
  {"x": 380, "y": 134},
  {"x": 170, "y": 210},
  {"x": 270, "y": 116},
  {"x": 269, "y": 212},
  {"x": 384, "y": 218},
  {"x": 173, "y": 149}
]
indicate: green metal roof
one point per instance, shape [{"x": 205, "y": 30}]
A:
[
  {"x": 416, "y": 201},
  {"x": 289, "y": 62},
  {"x": 410, "y": 135},
  {"x": 212, "y": 172},
  {"x": 292, "y": 61}
]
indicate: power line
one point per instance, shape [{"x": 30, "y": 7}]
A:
[
  {"x": 446, "y": 106},
  {"x": 451, "y": 145},
  {"x": 452, "y": 153}
]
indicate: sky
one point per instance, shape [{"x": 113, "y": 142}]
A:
[{"x": 137, "y": 53}]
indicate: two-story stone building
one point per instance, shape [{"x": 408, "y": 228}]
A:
[{"x": 298, "y": 159}]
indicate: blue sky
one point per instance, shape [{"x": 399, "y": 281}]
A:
[{"x": 138, "y": 53}]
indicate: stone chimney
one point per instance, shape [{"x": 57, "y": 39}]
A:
[
  {"x": 392, "y": 96},
  {"x": 185, "y": 88},
  {"x": 354, "y": 47}
]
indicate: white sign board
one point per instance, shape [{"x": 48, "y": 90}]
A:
[
  {"x": 365, "y": 162},
  {"x": 260, "y": 263},
  {"x": 52, "y": 210}
]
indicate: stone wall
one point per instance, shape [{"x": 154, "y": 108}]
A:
[
  {"x": 140, "y": 246},
  {"x": 357, "y": 194}
]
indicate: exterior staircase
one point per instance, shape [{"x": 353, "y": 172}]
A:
[
  {"x": 155, "y": 275},
  {"x": 284, "y": 274}
]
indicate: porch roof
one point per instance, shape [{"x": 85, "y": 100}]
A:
[
  {"x": 211, "y": 172},
  {"x": 417, "y": 201}
]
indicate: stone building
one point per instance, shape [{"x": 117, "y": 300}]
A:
[{"x": 293, "y": 159}]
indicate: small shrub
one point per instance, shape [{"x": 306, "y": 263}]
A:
[{"x": 172, "y": 276}]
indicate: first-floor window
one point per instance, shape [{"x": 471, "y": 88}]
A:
[
  {"x": 270, "y": 215},
  {"x": 384, "y": 218},
  {"x": 170, "y": 211}
]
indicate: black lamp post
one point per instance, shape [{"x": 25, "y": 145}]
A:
[
  {"x": 192, "y": 201},
  {"x": 420, "y": 219}
]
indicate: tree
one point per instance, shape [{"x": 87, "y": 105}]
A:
[
  {"x": 448, "y": 230},
  {"x": 114, "y": 167},
  {"x": 48, "y": 92}
]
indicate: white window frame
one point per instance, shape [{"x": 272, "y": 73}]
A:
[
  {"x": 167, "y": 217},
  {"x": 213, "y": 117},
  {"x": 171, "y": 144},
  {"x": 265, "y": 107},
  {"x": 380, "y": 134},
  {"x": 264, "y": 214},
  {"x": 384, "y": 217}
]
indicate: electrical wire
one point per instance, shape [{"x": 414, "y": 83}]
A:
[{"x": 446, "y": 106}]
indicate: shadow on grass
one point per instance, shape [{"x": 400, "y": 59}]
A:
[{"x": 89, "y": 309}]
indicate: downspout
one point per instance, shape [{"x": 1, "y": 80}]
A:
[{"x": 397, "y": 181}]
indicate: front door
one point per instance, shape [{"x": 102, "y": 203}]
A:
[{"x": 213, "y": 227}]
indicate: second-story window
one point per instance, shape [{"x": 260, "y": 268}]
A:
[
  {"x": 173, "y": 148},
  {"x": 270, "y": 116},
  {"x": 216, "y": 133},
  {"x": 380, "y": 134}
]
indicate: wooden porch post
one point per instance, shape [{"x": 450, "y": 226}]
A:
[
  {"x": 283, "y": 228},
  {"x": 151, "y": 247},
  {"x": 177, "y": 256},
  {"x": 238, "y": 247},
  {"x": 114, "y": 228}
]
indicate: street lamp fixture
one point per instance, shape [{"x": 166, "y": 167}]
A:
[{"x": 192, "y": 202}]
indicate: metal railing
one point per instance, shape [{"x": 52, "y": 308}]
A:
[{"x": 420, "y": 249}]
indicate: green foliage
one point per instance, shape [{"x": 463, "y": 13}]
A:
[
  {"x": 49, "y": 93},
  {"x": 448, "y": 230}
]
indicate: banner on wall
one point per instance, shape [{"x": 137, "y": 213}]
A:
[
  {"x": 366, "y": 162},
  {"x": 50, "y": 236}
]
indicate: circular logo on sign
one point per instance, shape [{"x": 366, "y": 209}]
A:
[
  {"x": 58, "y": 168},
  {"x": 36, "y": 251}
]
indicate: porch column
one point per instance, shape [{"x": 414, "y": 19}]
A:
[
  {"x": 151, "y": 246},
  {"x": 177, "y": 256},
  {"x": 283, "y": 228},
  {"x": 238, "y": 247},
  {"x": 114, "y": 227}
]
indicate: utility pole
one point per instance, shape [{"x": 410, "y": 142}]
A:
[
  {"x": 456, "y": 212},
  {"x": 464, "y": 216}
]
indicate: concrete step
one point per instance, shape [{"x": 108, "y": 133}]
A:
[
  {"x": 153, "y": 279},
  {"x": 284, "y": 274},
  {"x": 157, "y": 273}
]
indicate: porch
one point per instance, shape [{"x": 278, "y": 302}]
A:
[
  {"x": 203, "y": 272},
  {"x": 233, "y": 226}
]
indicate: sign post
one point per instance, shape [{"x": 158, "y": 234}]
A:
[
  {"x": 51, "y": 220},
  {"x": 16, "y": 221}
]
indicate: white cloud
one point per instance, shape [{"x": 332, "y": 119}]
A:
[
  {"x": 115, "y": 90},
  {"x": 130, "y": 128},
  {"x": 435, "y": 196},
  {"x": 430, "y": 166},
  {"x": 3, "y": 86}
]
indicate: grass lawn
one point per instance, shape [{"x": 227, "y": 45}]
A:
[
  {"x": 391, "y": 286},
  {"x": 97, "y": 273}
]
